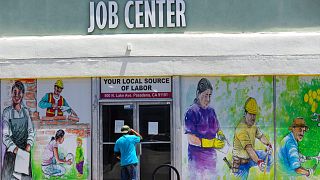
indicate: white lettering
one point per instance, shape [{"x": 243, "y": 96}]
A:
[
  {"x": 160, "y": 4},
  {"x": 170, "y": 13},
  {"x": 127, "y": 13},
  {"x": 91, "y": 19},
  {"x": 138, "y": 14},
  {"x": 113, "y": 18},
  {"x": 150, "y": 15},
  {"x": 101, "y": 7},
  {"x": 180, "y": 10}
]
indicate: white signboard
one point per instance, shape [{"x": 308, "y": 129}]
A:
[
  {"x": 118, "y": 125},
  {"x": 152, "y": 128},
  {"x": 145, "y": 87}
]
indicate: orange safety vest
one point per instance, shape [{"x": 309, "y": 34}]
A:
[{"x": 50, "y": 111}]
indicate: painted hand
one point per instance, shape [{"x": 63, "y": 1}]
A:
[
  {"x": 217, "y": 143},
  {"x": 261, "y": 165},
  {"x": 310, "y": 172},
  {"x": 69, "y": 162},
  {"x": 302, "y": 158},
  {"x": 269, "y": 149},
  {"x": 28, "y": 148}
]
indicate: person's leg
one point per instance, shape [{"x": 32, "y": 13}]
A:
[
  {"x": 132, "y": 172},
  {"x": 243, "y": 171},
  {"x": 124, "y": 173}
]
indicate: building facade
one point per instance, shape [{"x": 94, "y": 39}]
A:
[{"x": 146, "y": 64}]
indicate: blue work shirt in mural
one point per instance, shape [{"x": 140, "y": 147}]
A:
[
  {"x": 289, "y": 154},
  {"x": 126, "y": 146}
]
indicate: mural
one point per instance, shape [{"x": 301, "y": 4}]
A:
[
  {"x": 229, "y": 130},
  {"x": 297, "y": 127},
  {"x": 41, "y": 127},
  {"x": 17, "y": 133}
]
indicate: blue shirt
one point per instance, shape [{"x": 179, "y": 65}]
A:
[
  {"x": 289, "y": 154},
  {"x": 126, "y": 146}
]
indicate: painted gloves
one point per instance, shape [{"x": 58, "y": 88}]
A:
[
  {"x": 261, "y": 165},
  {"x": 212, "y": 143}
]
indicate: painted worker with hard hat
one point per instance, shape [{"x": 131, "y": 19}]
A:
[
  {"x": 289, "y": 156},
  {"x": 54, "y": 102},
  {"x": 244, "y": 154}
]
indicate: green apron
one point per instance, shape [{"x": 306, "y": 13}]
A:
[{"x": 19, "y": 129}]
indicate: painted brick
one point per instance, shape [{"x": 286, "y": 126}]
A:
[
  {"x": 31, "y": 104},
  {"x": 30, "y": 95},
  {"x": 32, "y": 88}
]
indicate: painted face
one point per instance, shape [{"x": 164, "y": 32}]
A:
[
  {"x": 57, "y": 90},
  {"x": 79, "y": 143},
  {"x": 17, "y": 95},
  {"x": 298, "y": 133},
  {"x": 204, "y": 98},
  {"x": 60, "y": 140},
  {"x": 250, "y": 119}
]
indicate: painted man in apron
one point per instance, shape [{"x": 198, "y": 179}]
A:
[{"x": 18, "y": 134}]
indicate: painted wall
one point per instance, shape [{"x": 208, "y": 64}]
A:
[
  {"x": 295, "y": 96},
  {"x": 45, "y": 17},
  {"x": 68, "y": 131},
  {"x": 228, "y": 98}
]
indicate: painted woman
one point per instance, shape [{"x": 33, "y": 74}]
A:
[{"x": 202, "y": 128}]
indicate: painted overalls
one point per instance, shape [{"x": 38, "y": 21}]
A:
[{"x": 19, "y": 129}]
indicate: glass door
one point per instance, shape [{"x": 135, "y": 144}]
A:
[
  {"x": 113, "y": 115},
  {"x": 154, "y": 124},
  {"x": 152, "y": 121}
]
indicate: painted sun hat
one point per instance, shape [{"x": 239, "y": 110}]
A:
[
  {"x": 298, "y": 122},
  {"x": 125, "y": 129}
]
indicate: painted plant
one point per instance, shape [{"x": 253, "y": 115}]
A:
[{"x": 297, "y": 123}]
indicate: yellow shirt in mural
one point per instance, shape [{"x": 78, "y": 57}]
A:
[{"x": 243, "y": 136}]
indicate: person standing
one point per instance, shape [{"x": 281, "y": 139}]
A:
[
  {"x": 202, "y": 129},
  {"x": 125, "y": 149},
  {"x": 244, "y": 154},
  {"x": 79, "y": 157},
  {"x": 289, "y": 156},
  {"x": 18, "y": 133}
]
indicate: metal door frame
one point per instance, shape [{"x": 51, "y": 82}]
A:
[{"x": 136, "y": 121}]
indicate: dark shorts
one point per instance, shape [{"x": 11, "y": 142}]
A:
[{"x": 129, "y": 172}]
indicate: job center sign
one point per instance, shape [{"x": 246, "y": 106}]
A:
[
  {"x": 137, "y": 14},
  {"x": 118, "y": 88}
]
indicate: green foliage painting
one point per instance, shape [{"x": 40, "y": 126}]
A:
[{"x": 299, "y": 97}]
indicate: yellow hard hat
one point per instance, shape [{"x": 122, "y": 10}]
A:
[
  {"x": 59, "y": 83},
  {"x": 251, "y": 106}
]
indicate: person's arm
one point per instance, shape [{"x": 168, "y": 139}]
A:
[
  {"x": 6, "y": 133},
  {"x": 194, "y": 140},
  {"x": 116, "y": 151},
  {"x": 56, "y": 155},
  {"x": 303, "y": 171},
  {"x": 31, "y": 132},
  {"x": 65, "y": 106},
  {"x": 264, "y": 140},
  {"x": 252, "y": 153},
  {"x": 43, "y": 104},
  {"x": 136, "y": 133}
]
